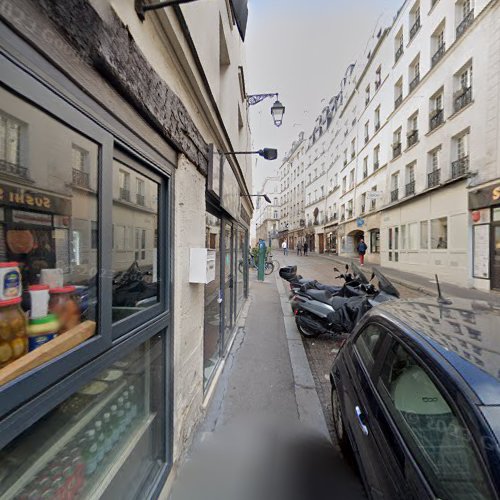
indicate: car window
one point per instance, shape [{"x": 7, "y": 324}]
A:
[
  {"x": 438, "y": 440},
  {"x": 368, "y": 342}
]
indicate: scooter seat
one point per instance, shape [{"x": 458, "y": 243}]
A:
[
  {"x": 338, "y": 302},
  {"x": 320, "y": 295}
]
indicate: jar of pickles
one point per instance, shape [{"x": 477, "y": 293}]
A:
[
  {"x": 65, "y": 304},
  {"x": 13, "y": 333}
]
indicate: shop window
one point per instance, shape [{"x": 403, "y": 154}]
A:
[
  {"x": 439, "y": 233},
  {"x": 135, "y": 253},
  {"x": 375, "y": 241},
  {"x": 424, "y": 235},
  {"x": 413, "y": 236},
  {"x": 46, "y": 229},
  {"x": 81, "y": 449}
]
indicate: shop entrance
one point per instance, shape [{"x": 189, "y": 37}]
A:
[
  {"x": 495, "y": 255},
  {"x": 353, "y": 239},
  {"x": 321, "y": 243}
]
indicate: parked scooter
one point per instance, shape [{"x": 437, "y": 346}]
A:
[{"x": 319, "y": 311}]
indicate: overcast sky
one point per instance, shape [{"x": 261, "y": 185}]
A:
[{"x": 301, "y": 49}]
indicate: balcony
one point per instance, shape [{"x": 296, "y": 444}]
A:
[
  {"x": 414, "y": 83},
  {"x": 377, "y": 126},
  {"x": 437, "y": 118},
  {"x": 377, "y": 84},
  {"x": 465, "y": 24},
  {"x": 13, "y": 169},
  {"x": 438, "y": 54},
  {"x": 367, "y": 138},
  {"x": 462, "y": 98},
  {"x": 460, "y": 167},
  {"x": 398, "y": 101},
  {"x": 345, "y": 163},
  {"x": 353, "y": 154},
  {"x": 81, "y": 178},
  {"x": 399, "y": 53},
  {"x": 140, "y": 200},
  {"x": 434, "y": 178},
  {"x": 396, "y": 150},
  {"x": 365, "y": 173},
  {"x": 410, "y": 188},
  {"x": 414, "y": 29},
  {"x": 394, "y": 195},
  {"x": 124, "y": 194},
  {"x": 412, "y": 138},
  {"x": 367, "y": 100}
]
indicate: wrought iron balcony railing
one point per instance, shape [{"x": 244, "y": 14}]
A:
[
  {"x": 124, "y": 194},
  {"x": 465, "y": 24},
  {"x": 438, "y": 54},
  {"x": 377, "y": 126},
  {"x": 437, "y": 118},
  {"x": 414, "y": 83},
  {"x": 434, "y": 178},
  {"x": 396, "y": 150},
  {"x": 394, "y": 195},
  {"x": 414, "y": 29},
  {"x": 410, "y": 188},
  {"x": 376, "y": 165},
  {"x": 14, "y": 169},
  {"x": 459, "y": 167},
  {"x": 398, "y": 101},
  {"x": 462, "y": 98},
  {"x": 412, "y": 138},
  {"x": 365, "y": 173},
  {"x": 140, "y": 199},
  {"x": 399, "y": 53},
  {"x": 81, "y": 178}
]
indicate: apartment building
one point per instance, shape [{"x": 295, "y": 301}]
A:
[
  {"x": 411, "y": 146},
  {"x": 292, "y": 194},
  {"x": 266, "y": 214}
]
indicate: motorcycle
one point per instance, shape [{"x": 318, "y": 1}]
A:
[{"x": 319, "y": 311}]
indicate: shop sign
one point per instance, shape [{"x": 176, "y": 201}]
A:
[
  {"x": 34, "y": 218},
  {"x": 360, "y": 222},
  {"x": 481, "y": 216},
  {"x": 481, "y": 257},
  {"x": 230, "y": 200},
  {"x": 26, "y": 198},
  {"x": 486, "y": 197},
  {"x": 374, "y": 195}
]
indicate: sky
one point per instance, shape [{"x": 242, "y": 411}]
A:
[{"x": 301, "y": 49}]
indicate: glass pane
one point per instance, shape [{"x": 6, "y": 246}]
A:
[
  {"x": 241, "y": 271},
  {"x": 228, "y": 289},
  {"x": 211, "y": 341},
  {"x": 441, "y": 443},
  {"x": 439, "y": 233},
  {"x": 135, "y": 252},
  {"x": 48, "y": 228},
  {"x": 424, "y": 237},
  {"x": 368, "y": 342},
  {"x": 104, "y": 441},
  {"x": 496, "y": 214}
]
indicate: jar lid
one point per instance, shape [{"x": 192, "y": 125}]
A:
[
  {"x": 63, "y": 289},
  {"x": 43, "y": 321},
  {"x": 35, "y": 288},
  {"x": 9, "y": 264},
  {"x": 10, "y": 302}
]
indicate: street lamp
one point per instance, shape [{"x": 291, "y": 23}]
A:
[
  {"x": 141, "y": 8},
  {"x": 266, "y": 153},
  {"x": 277, "y": 109}
]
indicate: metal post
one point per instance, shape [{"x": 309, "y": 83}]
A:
[{"x": 262, "y": 260}]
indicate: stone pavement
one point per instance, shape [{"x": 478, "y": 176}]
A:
[{"x": 264, "y": 434}]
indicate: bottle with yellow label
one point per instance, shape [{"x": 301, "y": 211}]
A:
[{"x": 13, "y": 334}]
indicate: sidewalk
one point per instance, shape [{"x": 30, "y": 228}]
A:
[
  {"x": 264, "y": 435},
  {"x": 420, "y": 283}
]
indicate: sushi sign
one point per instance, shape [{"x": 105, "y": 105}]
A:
[{"x": 26, "y": 198}]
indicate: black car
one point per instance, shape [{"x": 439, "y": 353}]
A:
[{"x": 416, "y": 399}]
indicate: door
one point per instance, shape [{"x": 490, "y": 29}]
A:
[
  {"x": 321, "y": 243},
  {"x": 495, "y": 250},
  {"x": 228, "y": 299}
]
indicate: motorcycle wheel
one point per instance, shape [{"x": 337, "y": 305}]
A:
[
  {"x": 306, "y": 332},
  {"x": 338, "y": 425}
]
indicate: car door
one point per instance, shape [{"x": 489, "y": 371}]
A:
[
  {"x": 437, "y": 454},
  {"x": 361, "y": 412}
]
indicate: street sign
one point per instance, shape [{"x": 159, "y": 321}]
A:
[
  {"x": 374, "y": 195},
  {"x": 360, "y": 222}
]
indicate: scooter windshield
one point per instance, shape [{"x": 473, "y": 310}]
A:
[
  {"x": 358, "y": 273},
  {"x": 384, "y": 284}
]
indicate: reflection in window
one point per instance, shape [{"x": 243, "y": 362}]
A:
[
  {"x": 441, "y": 443},
  {"x": 424, "y": 236},
  {"x": 135, "y": 255},
  {"x": 439, "y": 233},
  {"x": 46, "y": 225}
]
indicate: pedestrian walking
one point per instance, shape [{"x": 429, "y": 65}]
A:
[
  {"x": 362, "y": 248},
  {"x": 306, "y": 247},
  {"x": 299, "y": 248},
  {"x": 284, "y": 246}
]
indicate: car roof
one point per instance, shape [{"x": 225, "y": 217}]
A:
[{"x": 465, "y": 333}]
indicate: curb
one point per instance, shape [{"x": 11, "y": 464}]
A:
[{"x": 308, "y": 403}]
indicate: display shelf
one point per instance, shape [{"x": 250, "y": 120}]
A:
[
  {"x": 59, "y": 441},
  {"x": 97, "y": 489}
]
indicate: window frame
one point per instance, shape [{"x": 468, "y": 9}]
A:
[{"x": 378, "y": 349}]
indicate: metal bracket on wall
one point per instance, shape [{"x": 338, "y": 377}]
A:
[
  {"x": 141, "y": 8},
  {"x": 256, "y": 98}
]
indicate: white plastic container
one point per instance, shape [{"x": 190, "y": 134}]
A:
[
  {"x": 39, "y": 301},
  {"x": 10, "y": 281}
]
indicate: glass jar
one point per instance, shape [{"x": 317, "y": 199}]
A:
[
  {"x": 13, "y": 332},
  {"x": 42, "y": 330},
  {"x": 65, "y": 304}
]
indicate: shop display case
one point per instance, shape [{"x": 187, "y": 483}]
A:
[{"x": 102, "y": 442}]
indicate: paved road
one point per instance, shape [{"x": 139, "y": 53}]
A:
[
  {"x": 322, "y": 350},
  {"x": 251, "y": 444}
]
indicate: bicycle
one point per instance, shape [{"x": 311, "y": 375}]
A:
[
  {"x": 268, "y": 266},
  {"x": 275, "y": 262}
]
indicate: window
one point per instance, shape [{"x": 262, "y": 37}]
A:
[
  {"x": 375, "y": 241},
  {"x": 378, "y": 77},
  {"x": 124, "y": 180},
  {"x": 403, "y": 237},
  {"x": 439, "y": 233},
  {"x": 373, "y": 201},
  {"x": 413, "y": 236},
  {"x": 351, "y": 179},
  {"x": 368, "y": 343},
  {"x": 10, "y": 141},
  {"x": 410, "y": 179},
  {"x": 424, "y": 235},
  {"x": 435, "y": 434},
  {"x": 394, "y": 187},
  {"x": 367, "y": 95},
  {"x": 463, "y": 95},
  {"x": 398, "y": 93},
  {"x": 414, "y": 20},
  {"x": 398, "y": 45},
  {"x": 349, "y": 209},
  {"x": 344, "y": 184},
  {"x": 140, "y": 191},
  {"x": 438, "y": 45},
  {"x": 377, "y": 118},
  {"x": 367, "y": 132},
  {"x": 135, "y": 258},
  {"x": 363, "y": 203},
  {"x": 376, "y": 158},
  {"x": 365, "y": 167}
]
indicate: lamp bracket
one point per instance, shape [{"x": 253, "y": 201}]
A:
[
  {"x": 256, "y": 98},
  {"x": 141, "y": 8}
]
